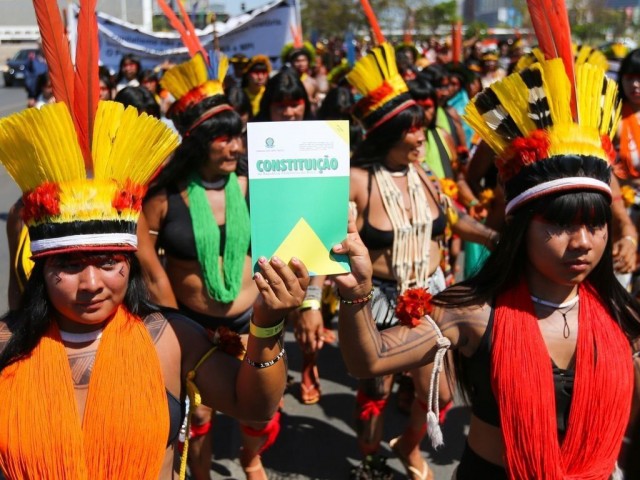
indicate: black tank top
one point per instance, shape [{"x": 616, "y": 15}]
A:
[{"x": 476, "y": 371}]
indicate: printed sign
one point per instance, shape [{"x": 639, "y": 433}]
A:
[{"x": 299, "y": 190}]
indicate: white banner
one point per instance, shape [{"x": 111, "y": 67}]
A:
[{"x": 264, "y": 30}]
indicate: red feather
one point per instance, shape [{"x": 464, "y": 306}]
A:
[
  {"x": 456, "y": 42},
  {"x": 192, "y": 31},
  {"x": 551, "y": 24},
  {"x": 87, "y": 85},
  {"x": 373, "y": 21},
  {"x": 55, "y": 47},
  {"x": 180, "y": 28}
]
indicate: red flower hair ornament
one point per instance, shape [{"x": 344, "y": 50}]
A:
[{"x": 412, "y": 305}]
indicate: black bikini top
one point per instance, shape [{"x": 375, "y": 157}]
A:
[
  {"x": 476, "y": 371},
  {"x": 375, "y": 239},
  {"x": 176, "y": 235}
]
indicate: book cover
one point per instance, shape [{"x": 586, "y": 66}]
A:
[{"x": 299, "y": 192}]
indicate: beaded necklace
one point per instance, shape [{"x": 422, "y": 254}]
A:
[
  {"x": 222, "y": 288},
  {"x": 411, "y": 227}
]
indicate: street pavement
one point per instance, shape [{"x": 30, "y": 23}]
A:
[{"x": 316, "y": 441}]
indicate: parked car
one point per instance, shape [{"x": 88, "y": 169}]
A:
[{"x": 14, "y": 70}]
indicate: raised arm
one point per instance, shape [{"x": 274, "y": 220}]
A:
[{"x": 367, "y": 352}]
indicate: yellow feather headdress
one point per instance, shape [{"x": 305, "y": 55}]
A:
[
  {"x": 527, "y": 118},
  {"x": 196, "y": 79},
  {"x": 384, "y": 91},
  {"x": 82, "y": 187}
]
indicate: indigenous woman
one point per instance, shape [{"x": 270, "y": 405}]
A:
[
  {"x": 528, "y": 327},
  {"x": 129, "y": 72},
  {"x": 254, "y": 80},
  {"x": 100, "y": 370},
  {"x": 285, "y": 99},
  {"x": 402, "y": 220},
  {"x": 198, "y": 215},
  {"x": 301, "y": 57}
]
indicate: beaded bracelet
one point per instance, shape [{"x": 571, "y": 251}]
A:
[
  {"x": 265, "y": 364},
  {"x": 265, "y": 332},
  {"x": 358, "y": 301}
]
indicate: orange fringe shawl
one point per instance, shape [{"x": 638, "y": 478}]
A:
[{"x": 126, "y": 419}]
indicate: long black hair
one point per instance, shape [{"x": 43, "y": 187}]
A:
[
  {"x": 422, "y": 89},
  {"x": 630, "y": 65},
  {"x": 376, "y": 145},
  {"x": 193, "y": 152},
  {"x": 129, "y": 57},
  {"x": 32, "y": 319},
  {"x": 284, "y": 86},
  {"x": 507, "y": 262}
]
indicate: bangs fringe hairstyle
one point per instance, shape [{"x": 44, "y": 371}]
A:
[
  {"x": 507, "y": 262},
  {"x": 374, "y": 148},
  {"x": 284, "y": 86},
  {"x": 30, "y": 322},
  {"x": 629, "y": 66},
  {"x": 193, "y": 152}
]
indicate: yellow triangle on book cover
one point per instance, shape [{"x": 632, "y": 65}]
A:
[{"x": 303, "y": 243}]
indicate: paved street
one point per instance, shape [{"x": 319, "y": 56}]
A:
[{"x": 316, "y": 442}]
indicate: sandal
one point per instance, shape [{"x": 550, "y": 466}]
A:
[
  {"x": 425, "y": 473},
  {"x": 373, "y": 467},
  {"x": 309, "y": 384},
  {"x": 255, "y": 470}
]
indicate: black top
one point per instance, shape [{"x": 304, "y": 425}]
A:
[
  {"x": 176, "y": 235},
  {"x": 176, "y": 414},
  {"x": 375, "y": 239},
  {"x": 476, "y": 371}
]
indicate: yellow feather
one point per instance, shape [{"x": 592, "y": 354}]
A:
[
  {"x": 372, "y": 71},
  {"x": 127, "y": 145},
  {"x": 477, "y": 122},
  {"x": 39, "y": 145},
  {"x": 514, "y": 97},
  {"x": 182, "y": 78},
  {"x": 557, "y": 88}
]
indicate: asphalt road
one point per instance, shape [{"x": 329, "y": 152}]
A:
[{"x": 316, "y": 441}]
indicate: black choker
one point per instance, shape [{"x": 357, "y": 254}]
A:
[{"x": 217, "y": 184}]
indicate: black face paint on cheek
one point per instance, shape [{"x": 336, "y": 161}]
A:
[
  {"x": 57, "y": 278},
  {"x": 121, "y": 272}
]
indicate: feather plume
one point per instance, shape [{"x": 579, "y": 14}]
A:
[
  {"x": 191, "y": 29},
  {"x": 117, "y": 153},
  {"x": 86, "y": 83},
  {"x": 551, "y": 24},
  {"x": 373, "y": 21},
  {"x": 456, "y": 42},
  {"x": 39, "y": 145},
  {"x": 179, "y": 27},
  {"x": 55, "y": 47}
]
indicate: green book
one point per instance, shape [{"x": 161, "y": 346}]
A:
[{"x": 299, "y": 192}]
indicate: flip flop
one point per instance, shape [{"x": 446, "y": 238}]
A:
[{"x": 412, "y": 472}]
